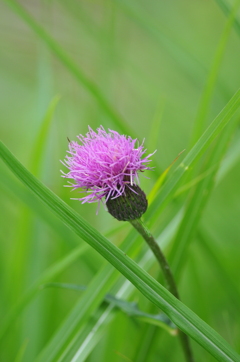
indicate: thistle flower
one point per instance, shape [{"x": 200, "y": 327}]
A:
[{"x": 105, "y": 165}]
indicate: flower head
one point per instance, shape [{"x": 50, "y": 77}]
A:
[{"x": 104, "y": 164}]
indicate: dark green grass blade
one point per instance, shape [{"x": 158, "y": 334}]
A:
[{"x": 182, "y": 316}]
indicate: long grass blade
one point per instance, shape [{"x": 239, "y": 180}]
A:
[{"x": 40, "y": 142}]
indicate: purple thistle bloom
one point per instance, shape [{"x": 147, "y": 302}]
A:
[{"x": 104, "y": 164}]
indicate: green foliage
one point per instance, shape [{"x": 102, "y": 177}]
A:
[{"x": 164, "y": 71}]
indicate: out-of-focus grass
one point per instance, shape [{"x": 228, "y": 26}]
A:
[{"x": 134, "y": 53}]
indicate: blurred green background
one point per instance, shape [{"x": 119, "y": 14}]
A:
[{"x": 139, "y": 67}]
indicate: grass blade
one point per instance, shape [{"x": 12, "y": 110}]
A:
[
  {"x": 161, "y": 180},
  {"x": 40, "y": 142}
]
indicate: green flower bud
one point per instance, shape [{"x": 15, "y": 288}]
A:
[{"x": 131, "y": 205}]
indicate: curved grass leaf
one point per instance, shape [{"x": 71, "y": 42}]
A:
[
  {"x": 155, "y": 127},
  {"x": 181, "y": 315},
  {"x": 161, "y": 180},
  {"x": 20, "y": 355},
  {"x": 20, "y": 255},
  {"x": 40, "y": 142}
]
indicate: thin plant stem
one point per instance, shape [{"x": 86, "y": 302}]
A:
[{"x": 170, "y": 282}]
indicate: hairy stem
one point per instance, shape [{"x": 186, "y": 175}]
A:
[{"x": 170, "y": 282}]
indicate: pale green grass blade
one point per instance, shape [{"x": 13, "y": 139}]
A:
[
  {"x": 130, "y": 308},
  {"x": 182, "y": 316},
  {"x": 155, "y": 126},
  {"x": 20, "y": 355},
  {"x": 89, "y": 336},
  {"x": 49, "y": 274},
  {"x": 158, "y": 184},
  {"x": 197, "y": 150},
  {"x": 142, "y": 352},
  {"x": 70, "y": 65},
  {"x": 23, "y": 232},
  {"x": 40, "y": 142},
  {"x": 231, "y": 159},
  {"x": 226, "y": 7},
  {"x": 195, "y": 181},
  {"x": 212, "y": 77}
]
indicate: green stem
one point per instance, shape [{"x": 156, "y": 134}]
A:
[{"x": 170, "y": 282}]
